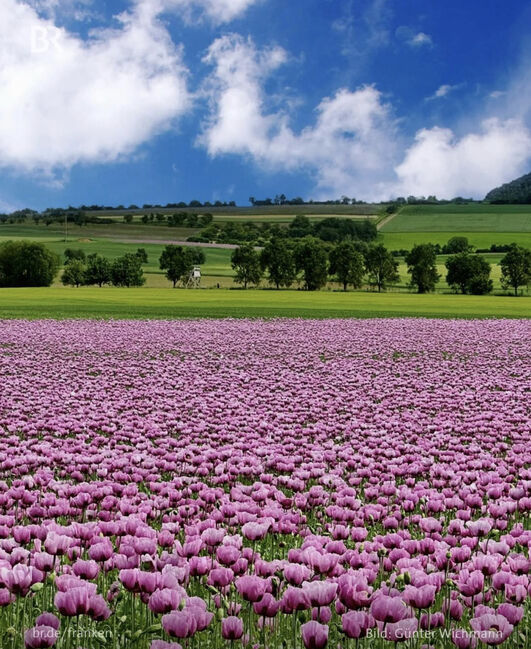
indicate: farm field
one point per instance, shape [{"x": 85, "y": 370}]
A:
[
  {"x": 55, "y": 232},
  {"x": 93, "y": 302},
  {"x": 461, "y": 218},
  {"x": 484, "y": 225},
  {"x": 483, "y": 240},
  {"x": 266, "y": 213},
  {"x": 283, "y": 484}
]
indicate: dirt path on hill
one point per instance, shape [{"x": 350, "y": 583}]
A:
[{"x": 386, "y": 220}]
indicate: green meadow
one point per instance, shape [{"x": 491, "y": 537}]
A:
[
  {"x": 475, "y": 217},
  {"x": 118, "y": 303},
  {"x": 483, "y": 224}
]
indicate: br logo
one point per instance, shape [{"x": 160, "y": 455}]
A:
[{"x": 43, "y": 39}]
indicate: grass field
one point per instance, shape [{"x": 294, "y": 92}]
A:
[
  {"x": 461, "y": 218},
  {"x": 117, "y": 230},
  {"x": 118, "y": 303},
  {"x": 483, "y": 225},
  {"x": 406, "y": 240}
]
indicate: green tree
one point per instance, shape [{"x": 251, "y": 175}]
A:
[
  {"x": 177, "y": 262},
  {"x": 98, "y": 270},
  {"x": 198, "y": 256},
  {"x": 277, "y": 258},
  {"x": 128, "y": 218},
  {"x": 142, "y": 255},
  {"x": 205, "y": 219},
  {"x": 516, "y": 268},
  {"x": 245, "y": 261},
  {"x": 71, "y": 253},
  {"x": 26, "y": 263},
  {"x": 456, "y": 245},
  {"x": 300, "y": 227},
  {"x": 310, "y": 258},
  {"x": 211, "y": 232},
  {"x": 381, "y": 266},
  {"x": 347, "y": 264},
  {"x": 127, "y": 271},
  {"x": 74, "y": 273},
  {"x": 469, "y": 274},
  {"x": 80, "y": 218},
  {"x": 421, "y": 263},
  {"x": 192, "y": 221}
]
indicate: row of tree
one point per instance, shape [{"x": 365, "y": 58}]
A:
[
  {"x": 283, "y": 261},
  {"x": 281, "y": 199},
  {"x": 79, "y": 214},
  {"x": 81, "y": 270},
  {"x": 95, "y": 269},
  {"x": 309, "y": 260},
  {"x": 353, "y": 263},
  {"x": 178, "y": 219},
  {"x": 331, "y": 229}
]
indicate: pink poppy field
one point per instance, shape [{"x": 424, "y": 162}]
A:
[{"x": 280, "y": 484}]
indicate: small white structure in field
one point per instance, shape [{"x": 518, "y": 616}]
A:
[{"x": 194, "y": 279}]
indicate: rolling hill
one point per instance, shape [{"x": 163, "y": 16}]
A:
[{"x": 516, "y": 191}]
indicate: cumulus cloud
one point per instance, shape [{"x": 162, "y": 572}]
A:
[
  {"x": 440, "y": 163},
  {"x": 363, "y": 31},
  {"x": 413, "y": 38},
  {"x": 354, "y": 146},
  {"x": 65, "y": 100},
  {"x": 218, "y": 11},
  {"x": 78, "y": 10},
  {"x": 420, "y": 39},
  {"x": 444, "y": 91},
  {"x": 346, "y": 149}
]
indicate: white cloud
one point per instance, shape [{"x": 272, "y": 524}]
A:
[
  {"x": 444, "y": 91},
  {"x": 420, "y": 39},
  {"x": 412, "y": 37},
  {"x": 363, "y": 31},
  {"x": 346, "y": 149},
  {"x": 496, "y": 94},
  {"x": 354, "y": 146},
  {"x": 218, "y": 11},
  {"x": 517, "y": 98},
  {"x": 441, "y": 164},
  {"x": 78, "y": 10},
  {"x": 65, "y": 100}
]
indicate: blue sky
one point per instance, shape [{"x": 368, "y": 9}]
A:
[{"x": 156, "y": 101}]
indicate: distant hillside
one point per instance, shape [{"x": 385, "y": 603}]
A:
[{"x": 517, "y": 191}]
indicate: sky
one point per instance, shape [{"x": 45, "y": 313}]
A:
[{"x": 159, "y": 101}]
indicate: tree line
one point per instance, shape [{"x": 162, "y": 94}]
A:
[
  {"x": 355, "y": 263},
  {"x": 94, "y": 269},
  {"x": 282, "y": 262},
  {"x": 28, "y": 263},
  {"x": 331, "y": 229}
]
